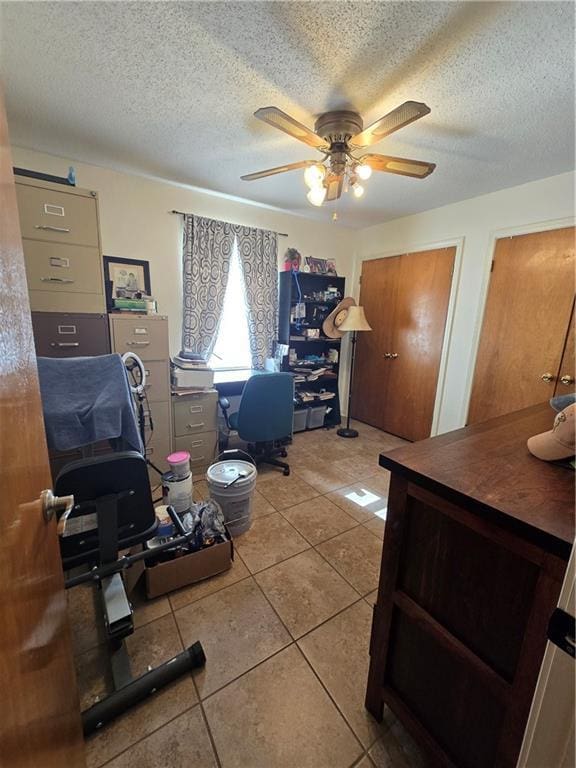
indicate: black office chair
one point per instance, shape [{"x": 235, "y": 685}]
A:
[
  {"x": 113, "y": 510},
  {"x": 265, "y": 417}
]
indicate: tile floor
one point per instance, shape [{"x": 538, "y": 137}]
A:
[{"x": 285, "y": 632}]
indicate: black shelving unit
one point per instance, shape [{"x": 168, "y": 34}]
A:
[{"x": 319, "y": 294}]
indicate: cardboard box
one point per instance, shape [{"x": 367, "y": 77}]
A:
[{"x": 173, "y": 574}]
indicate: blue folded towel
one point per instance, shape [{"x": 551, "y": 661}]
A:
[{"x": 85, "y": 400}]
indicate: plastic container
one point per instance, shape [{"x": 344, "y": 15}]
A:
[
  {"x": 179, "y": 463},
  {"x": 316, "y": 416},
  {"x": 299, "y": 423},
  {"x": 232, "y": 484}
]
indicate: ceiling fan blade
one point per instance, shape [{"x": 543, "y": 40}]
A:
[
  {"x": 334, "y": 186},
  {"x": 278, "y": 119},
  {"x": 418, "y": 169},
  {"x": 279, "y": 169},
  {"x": 403, "y": 115}
]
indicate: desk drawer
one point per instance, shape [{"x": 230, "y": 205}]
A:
[
  {"x": 60, "y": 334},
  {"x": 157, "y": 381},
  {"x": 62, "y": 268},
  {"x": 201, "y": 447},
  {"x": 147, "y": 338},
  {"x": 195, "y": 413},
  {"x": 62, "y": 217}
]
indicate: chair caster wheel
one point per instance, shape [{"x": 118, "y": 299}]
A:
[
  {"x": 287, "y": 472},
  {"x": 284, "y": 454}
]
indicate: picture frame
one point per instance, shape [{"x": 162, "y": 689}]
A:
[{"x": 125, "y": 278}]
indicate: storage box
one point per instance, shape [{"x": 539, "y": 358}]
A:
[
  {"x": 316, "y": 416},
  {"x": 299, "y": 424},
  {"x": 173, "y": 574}
]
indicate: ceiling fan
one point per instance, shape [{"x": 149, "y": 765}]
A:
[{"x": 338, "y": 135}]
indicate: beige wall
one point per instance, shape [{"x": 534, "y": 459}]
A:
[
  {"x": 472, "y": 225},
  {"x": 135, "y": 224}
]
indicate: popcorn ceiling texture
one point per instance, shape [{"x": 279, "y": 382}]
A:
[{"x": 169, "y": 88}]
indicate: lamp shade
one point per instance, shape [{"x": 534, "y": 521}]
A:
[{"x": 355, "y": 320}]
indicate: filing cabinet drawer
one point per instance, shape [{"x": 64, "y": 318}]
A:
[
  {"x": 201, "y": 447},
  {"x": 157, "y": 451},
  {"x": 62, "y": 268},
  {"x": 60, "y": 334},
  {"x": 160, "y": 419},
  {"x": 64, "y": 217},
  {"x": 195, "y": 413},
  {"x": 157, "y": 381},
  {"x": 145, "y": 336}
]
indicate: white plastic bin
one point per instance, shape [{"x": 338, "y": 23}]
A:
[
  {"x": 300, "y": 419},
  {"x": 316, "y": 416}
]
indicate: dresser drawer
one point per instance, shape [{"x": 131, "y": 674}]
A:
[
  {"x": 201, "y": 447},
  {"x": 157, "y": 381},
  {"x": 60, "y": 334},
  {"x": 195, "y": 413},
  {"x": 63, "y": 217},
  {"x": 148, "y": 338},
  {"x": 62, "y": 268}
]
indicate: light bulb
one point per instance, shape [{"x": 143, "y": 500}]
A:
[
  {"x": 317, "y": 195},
  {"x": 358, "y": 190},
  {"x": 364, "y": 171},
  {"x": 314, "y": 175}
]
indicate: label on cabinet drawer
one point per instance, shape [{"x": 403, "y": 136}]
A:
[
  {"x": 67, "y": 329},
  {"x": 141, "y": 331},
  {"x": 59, "y": 261},
  {"x": 54, "y": 210}
]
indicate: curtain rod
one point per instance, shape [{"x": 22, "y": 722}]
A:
[{"x": 181, "y": 213}]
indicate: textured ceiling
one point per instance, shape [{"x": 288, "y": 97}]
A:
[{"x": 168, "y": 89}]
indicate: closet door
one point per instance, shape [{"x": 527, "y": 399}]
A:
[
  {"x": 406, "y": 302},
  {"x": 527, "y": 314},
  {"x": 378, "y": 297},
  {"x": 423, "y": 293},
  {"x": 565, "y": 383}
]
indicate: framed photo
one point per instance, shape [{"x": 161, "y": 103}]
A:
[
  {"x": 125, "y": 279},
  {"x": 313, "y": 333},
  {"x": 331, "y": 267}
]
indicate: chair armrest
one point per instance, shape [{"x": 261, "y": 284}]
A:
[{"x": 224, "y": 404}]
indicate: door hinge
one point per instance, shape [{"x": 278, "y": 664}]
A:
[
  {"x": 492, "y": 266},
  {"x": 360, "y": 280},
  {"x": 561, "y": 631}
]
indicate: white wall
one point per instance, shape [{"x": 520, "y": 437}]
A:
[
  {"x": 135, "y": 224},
  {"x": 472, "y": 225}
]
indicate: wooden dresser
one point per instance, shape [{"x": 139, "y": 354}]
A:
[{"x": 477, "y": 541}]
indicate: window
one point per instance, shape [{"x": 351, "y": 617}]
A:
[{"x": 232, "y": 348}]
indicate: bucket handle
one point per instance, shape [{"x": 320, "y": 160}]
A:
[{"x": 238, "y": 450}]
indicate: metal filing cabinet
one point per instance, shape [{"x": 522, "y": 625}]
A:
[
  {"x": 63, "y": 334},
  {"x": 61, "y": 241},
  {"x": 147, "y": 336},
  {"x": 195, "y": 426}
]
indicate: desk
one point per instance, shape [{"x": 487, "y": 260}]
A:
[
  {"x": 231, "y": 383},
  {"x": 478, "y": 537}
]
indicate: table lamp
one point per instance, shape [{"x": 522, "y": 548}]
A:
[{"x": 355, "y": 321}]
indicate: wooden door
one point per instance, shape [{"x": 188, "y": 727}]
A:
[
  {"x": 378, "y": 297},
  {"x": 565, "y": 381},
  {"x": 40, "y": 722},
  {"x": 397, "y": 376},
  {"x": 527, "y": 313}
]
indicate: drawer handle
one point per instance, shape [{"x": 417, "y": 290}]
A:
[
  {"x": 196, "y": 443},
  {"x": 197, "y": 460},
  {"x": 195, "y": 426},
  {"x": 64, "y": 343},
  {"x": 50, "y": 228},
  {"x": 137, "y": 343},
  {"x": 56, "y": 280},
  {"x": 149, "y": 451}
]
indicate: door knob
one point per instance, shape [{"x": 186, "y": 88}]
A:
[
  {"x": 394, "y": 355},
  {"x": 567, "y": 380},
  {"x": 387, "y": 354},
  {"x": 52, "y": 504},
  {"x": 547, "y": 377}
]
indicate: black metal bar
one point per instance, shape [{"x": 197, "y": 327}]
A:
[
  {"x": 107, "y": 517},
  {"x": 139, "y": 689},
  {"x": 183, "y": 213}
]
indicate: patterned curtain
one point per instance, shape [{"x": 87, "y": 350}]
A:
[
  {"x": 206, "y": 258},
  {"x": 258, "y": 255}
]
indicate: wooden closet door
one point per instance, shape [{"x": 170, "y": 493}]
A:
[
  {"x": 378, "y": 297},
  {"x": 396, "y": 375},
  {"x": 423, "y": 292},
  {"x": 565, "y": 382},
  {"x": 527, "y": 313}
]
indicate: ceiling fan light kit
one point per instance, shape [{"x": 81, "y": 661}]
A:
[{"x": 338, "y": 135}]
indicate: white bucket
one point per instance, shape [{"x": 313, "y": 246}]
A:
[{"x": 235, "y": 498}]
